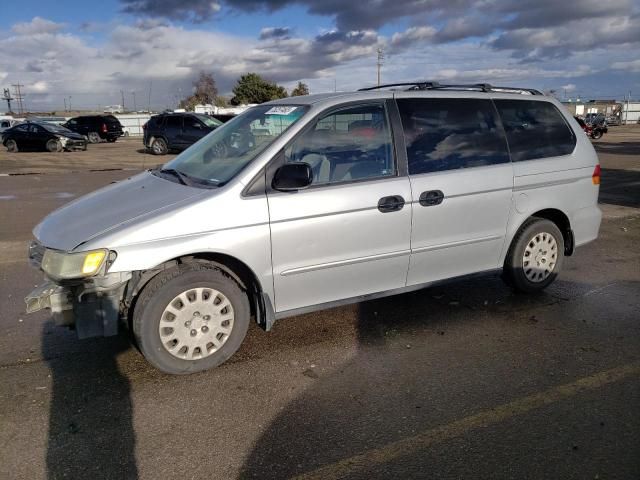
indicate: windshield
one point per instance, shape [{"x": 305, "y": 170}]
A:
[
  {"x": 219, "y": 156},
  {"x": 209, "y": 121},
  {"x": 53, "y": 128}
]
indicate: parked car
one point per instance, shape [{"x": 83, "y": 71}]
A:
[
  {"x": 42, "y": 136},
  {"x": 176, "y": 131},
  {"x": 303, "y": 204},
  {"x": 96, "y": 127},
  {"x": 593, "y": 131},
  {"x": 7, "y": 123}
]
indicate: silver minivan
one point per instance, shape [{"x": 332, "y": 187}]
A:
[{"x": 311, "y": 202}]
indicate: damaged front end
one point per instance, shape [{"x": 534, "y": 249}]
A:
[
  {"x": 79, "y": 291},
  {"x": 70, "y": 144}
]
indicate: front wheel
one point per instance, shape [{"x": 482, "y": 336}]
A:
[
  {"x": 535, "y": 256},
  {"x": 190, "y": 318},
  {"x": 596, "y": 134},
  {"x": 54, "y": 146}
]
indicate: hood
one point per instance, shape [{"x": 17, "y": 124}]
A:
[
  {"x": 72, "y": 135},
  {"x": 110, "y": 207}
]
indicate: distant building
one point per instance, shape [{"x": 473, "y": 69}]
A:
[{"x": 113, "y": 109}]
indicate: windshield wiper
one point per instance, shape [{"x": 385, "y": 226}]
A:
[{"x": 182, "y": 178}]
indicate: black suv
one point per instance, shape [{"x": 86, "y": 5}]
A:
[
  {"x": 176, "y": 131},
  {"x": 96, "y": 127}
]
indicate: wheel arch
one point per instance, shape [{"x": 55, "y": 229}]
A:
[
  {"x": 559, "y": 218},
  {"x": 261, "y": 306}
]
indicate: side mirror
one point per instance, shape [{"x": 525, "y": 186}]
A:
[{"x": 292, "y": 176}]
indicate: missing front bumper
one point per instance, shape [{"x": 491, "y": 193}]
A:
[{"x": 92, "y": 313}]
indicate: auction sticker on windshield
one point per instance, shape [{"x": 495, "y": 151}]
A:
[{"x": 281, "y": 110}]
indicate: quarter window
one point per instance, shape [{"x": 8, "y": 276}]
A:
[
  {"x": 353, "y": 143},
  {"x": 535, "y": 129},
  {"x": 451, "y": 133}
]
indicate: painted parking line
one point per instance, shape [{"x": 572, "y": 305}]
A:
[{"x": 426, "y": 439}]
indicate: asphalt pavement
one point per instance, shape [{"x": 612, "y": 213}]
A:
[{"x": 467, "y": 381}]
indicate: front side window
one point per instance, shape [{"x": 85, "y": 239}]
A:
[
  {"x": 174, "y": 121},
  {"x": 451, "y": 133},
  {"x": 350, "y": 144},
  {"x": 220, "y": 155},
  {"x": 535, "y": 129}
]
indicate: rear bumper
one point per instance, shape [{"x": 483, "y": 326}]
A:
[{"x": 586, "y": 224}]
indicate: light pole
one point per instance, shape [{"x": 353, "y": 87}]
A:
[{"x": 135, "y": 109}]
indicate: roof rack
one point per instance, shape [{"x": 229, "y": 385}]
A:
[{"x": 430, "y": 85}]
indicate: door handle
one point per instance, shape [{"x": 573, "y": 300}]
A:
[
  {"x": 390, "y": 204},
  {"x": 431, "y": 198}
]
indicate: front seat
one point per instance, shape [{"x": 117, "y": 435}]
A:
[{"x": 320, "y": 165}]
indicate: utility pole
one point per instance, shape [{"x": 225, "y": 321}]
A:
[
  {"x": 18, "y": 96},
  {"x": 122, "y": 95},
  {"x": 380, "y": 62},
  {"x": 149, "y": 102},
  {"x": 133, "y": 92},
  {"x": 7, "y": 98},
  {"x": 64, "y": 99},
  {"x": 69, "y": 102},
  {"x": 626, "y": 112}
]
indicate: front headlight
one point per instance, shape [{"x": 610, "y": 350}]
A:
[{"x": 66, "y": 266}]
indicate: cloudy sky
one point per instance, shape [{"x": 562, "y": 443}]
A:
[{"x": 90, "y": 52}]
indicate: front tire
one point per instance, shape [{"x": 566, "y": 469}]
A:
[
  {"x": 535, "y": 256},
  {"x": 190, "y": 318},
  {"x": 596, "y": 134},
  {"x": 54, "y": 146}
]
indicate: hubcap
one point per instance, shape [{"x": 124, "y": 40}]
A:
[
  {"x": 540, "y": 257},
  {"x": 196, "y": 323}
]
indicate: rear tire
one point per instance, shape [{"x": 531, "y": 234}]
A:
[
  {"x": 159, "y": 146},
  {"x": 54, "y": 146},
  {"x": 164, "y": 325},
  {"x": 12, "y": 146},
  {"x": 596, "y": 134},
  {"x": 94, "y": 137},
  {"x": 535, "y": 256}
]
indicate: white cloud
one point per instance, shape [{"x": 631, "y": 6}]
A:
[
  {"x": 569, "y": 87},
  {"x": 630, "y": 66},
  {"x": 36, "y": 26}
]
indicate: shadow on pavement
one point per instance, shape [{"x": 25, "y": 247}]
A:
[
  {"x": 620, "y": 187},
  {"x": 618, "y": 148},
  {"x": 90, "y": 420},
  {"x": 392, "y": 390}
]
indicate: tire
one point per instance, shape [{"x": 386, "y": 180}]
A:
[
  {"x": 154, "y": 319},
  {"x": 535, "y": 256},
  {"x": 111, "y": 140},
  {"x": 159, "y": 146},
  {"x": 12, "y": 146},
  {"x": 596, "y": 134},
  {"x": 94, "y": 137},
  {"x": 54, "y": 146}
]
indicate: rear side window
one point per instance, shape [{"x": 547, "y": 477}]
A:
[
  {"x": 535, "y": 129},
  {"x": 173, "y": 121},
  {"x": 111, "y": 120},
  {"x": 451, "y": 133}
]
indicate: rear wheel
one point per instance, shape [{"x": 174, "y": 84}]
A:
[
  {"x": 12, "y": 146},
  {"x": 535, "y": 256},
  {"x": 190, "y": 318},
  {"x": 94, "y": 137},
  {"x": 596, "y": 134},
  {"x": 54, "y": 146},
  {"x": 159, "y": 146}
]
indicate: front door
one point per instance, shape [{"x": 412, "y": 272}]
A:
[
  {"x": 462, "y": 181},
  {"x": 348, "y": 234}
]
